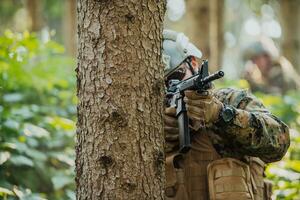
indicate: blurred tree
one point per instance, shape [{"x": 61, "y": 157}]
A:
[
  {"x": 203, "y": 24},
  {"x": 54, "y": 12},
  {"x": 198, "y": 16},
  {"x": 120, "y": 90},
  {"x": 216, "y": 31},
  {"x": 34, "y": 12},
  {"x": 290, "y": 21},
  {"x": 69, "y": 27},
  {"x": 8, "y": 9}
]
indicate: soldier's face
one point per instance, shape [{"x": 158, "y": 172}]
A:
[
  {"x": 188, "y": 72},
  {"x": 264, "y": 62},
  {"x": 183, "y": 72}
]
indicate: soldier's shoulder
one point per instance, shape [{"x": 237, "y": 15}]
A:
[
  {"x": 239, "y": 98},
  {"x": 230, "y": 93}
]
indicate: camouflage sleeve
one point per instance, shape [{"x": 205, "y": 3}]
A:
[{"x": 253, "y": 131}]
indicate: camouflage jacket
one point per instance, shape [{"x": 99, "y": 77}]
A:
[{"x": 254, "y": 131}]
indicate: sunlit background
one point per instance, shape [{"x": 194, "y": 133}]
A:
[{"x": 38, "y": 83}]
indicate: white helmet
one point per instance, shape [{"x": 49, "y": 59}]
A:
[{"x": 176, "y": 48}]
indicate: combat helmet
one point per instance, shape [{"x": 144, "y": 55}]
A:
[
  {"x": 177, "y": 48},
  {"x": 262, "y": 46}
]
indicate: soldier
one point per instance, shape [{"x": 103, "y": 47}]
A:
[
  {"x": 228, "y": 154},
  {"x": 268, "y": 72}
]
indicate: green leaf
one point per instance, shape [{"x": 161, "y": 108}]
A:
[
  {"x": 66, "y": 159},
  {"x": 24, "y": 112},
  {"x": 36, "y": 155},
  {"x": 293, "y": 164},
  {"x": 61, "y": 181},
  {"x": 60, "y": 122},
  {"x": 21, "y": 161},
  {"x": 27, "y": 194},
  {"x": 12, "y": 124},
  {"x": 4, "y": 192},
  {"x": 12, "y": 97},
  {"x": 4, "y": 156},
  {"x": 35, "y": 131},
  {"x": 19, "y": 146},
  {"x": 8, "y": 145},
  {"x": 71, "y": 194}
]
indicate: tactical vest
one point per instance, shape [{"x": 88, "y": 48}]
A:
[{"x": 203, "y": 174}]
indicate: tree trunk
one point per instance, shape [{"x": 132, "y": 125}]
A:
[
  {"x": 119, "y": 151},
  {"x": 34, "y": 13},
  {"x": 203, "y": 24},
  {"x": 290, "y": 21},
  {"x": 198, "y": 18},
  {"x": 69, "y": 27},
  {"x": 216, "y": 33}
]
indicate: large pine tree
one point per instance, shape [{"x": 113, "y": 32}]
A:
[{"x": 119, "y": 151}]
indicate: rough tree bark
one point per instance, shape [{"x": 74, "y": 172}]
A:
[
  {"x": 290, "y": 21},
  {"x": 119, "y": 151},
  {"x": 69, "y": 27},
  {"x": 34, "y": 13}
]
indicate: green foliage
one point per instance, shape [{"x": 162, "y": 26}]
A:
[
  {"x": 285, "y": 174},
  {"x": 37, "y": 114}
]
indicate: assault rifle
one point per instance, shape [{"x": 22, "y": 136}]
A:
[{"x": 200, "y": 82}]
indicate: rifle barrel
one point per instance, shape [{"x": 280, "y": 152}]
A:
[{"x": 212, "y": 77}]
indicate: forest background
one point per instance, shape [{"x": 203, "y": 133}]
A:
[{"x": 38, "y": 83}]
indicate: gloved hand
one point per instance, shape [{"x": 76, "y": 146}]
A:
[
  {"x": 171, "y": 124},
  {"x": 203, "y": 109},
  {"x": 171, "y": 128}
]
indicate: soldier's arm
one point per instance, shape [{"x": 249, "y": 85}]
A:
[{"x": 253, "y": 131}]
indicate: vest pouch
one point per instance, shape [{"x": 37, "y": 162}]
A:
[
  {"x": 257, "y": 168},
  {"x": 268, "y": 190},
  {"x": 175, "y": 188},
  {"x": 229, "y": 179}
]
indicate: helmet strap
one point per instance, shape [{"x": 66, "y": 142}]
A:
[{"x": 189, "y": 62}]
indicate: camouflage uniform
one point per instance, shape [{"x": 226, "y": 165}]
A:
[
  {"x": 226, "y": 159},
  {"x": 253, "y": 132},
  {"x": 281, "y": 77}
]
